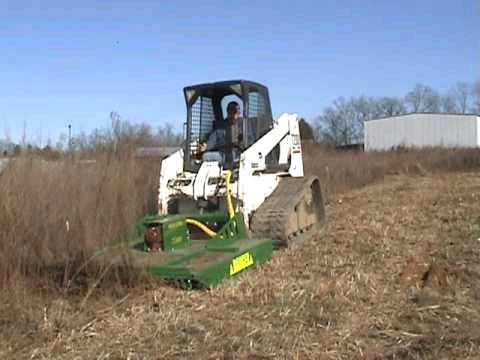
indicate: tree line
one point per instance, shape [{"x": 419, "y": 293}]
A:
[
  {"x": 121, "y": 136},
  {"x": 341, "y": 123}
]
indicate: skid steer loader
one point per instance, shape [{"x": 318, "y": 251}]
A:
[{"x": 223, "y": 211}]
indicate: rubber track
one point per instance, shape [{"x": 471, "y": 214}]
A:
[{"x": 271, "y": 218}]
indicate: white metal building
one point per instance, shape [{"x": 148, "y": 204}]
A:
[
  {"x": 422, "y": 130},
  {"x": 3, "y": 164}
]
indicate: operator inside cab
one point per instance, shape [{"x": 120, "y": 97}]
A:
[{"x": 225, "y": 142}]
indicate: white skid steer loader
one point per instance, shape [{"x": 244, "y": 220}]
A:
[{"x": 269, "y": 187}]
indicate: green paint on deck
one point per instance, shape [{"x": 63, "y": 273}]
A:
[{"x": 191, "y": 262}]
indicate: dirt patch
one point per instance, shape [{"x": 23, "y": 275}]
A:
[
  {"x": 414, "y": 272},
  {"x": 438, "y": 275}
]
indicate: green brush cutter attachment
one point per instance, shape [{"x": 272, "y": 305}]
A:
[{"x": 162, "y": 246}]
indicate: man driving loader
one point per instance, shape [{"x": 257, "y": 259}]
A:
[{"x": 225, "y": 141}]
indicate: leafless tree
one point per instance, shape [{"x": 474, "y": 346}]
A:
[
  {"x": 476, "y": 97},
  {"x": 422, "y": 99},
  {"x": 167, "y": 136},
  {"x": 389, "y": 106},
  {"x": 123, "y": 137},
  {"x": 340, "y": 124},
  {"x": 461, "y": 94},
  {"x": 447, "y": 104}
]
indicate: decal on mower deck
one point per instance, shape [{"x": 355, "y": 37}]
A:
[
  {"x": 240, "y": 263},
  {"x": 177, "y": 240},
  {"x": 175, "y": 225}
]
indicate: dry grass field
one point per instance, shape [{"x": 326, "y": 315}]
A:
[{"x": 393, "y": 275}]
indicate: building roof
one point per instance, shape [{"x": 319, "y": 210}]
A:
[
  {"x": 3, "y": 164},
  {"x": 159, "y": 151},
  {"x": 424, "y": 113}
]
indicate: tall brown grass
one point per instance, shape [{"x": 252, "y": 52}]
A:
[
  {"x": 54, "y": 214},
  {"x": 340, "y": 171}
]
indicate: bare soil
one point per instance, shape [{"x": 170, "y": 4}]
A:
[{"x": 393, "y": 275}]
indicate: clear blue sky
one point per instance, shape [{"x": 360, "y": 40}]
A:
[{"x": 62, "y": 63}]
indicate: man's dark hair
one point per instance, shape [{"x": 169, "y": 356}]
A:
[{"x": 231, "y": 105}]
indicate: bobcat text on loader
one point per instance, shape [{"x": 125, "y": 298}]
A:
[{"x": 224, "y": 207}]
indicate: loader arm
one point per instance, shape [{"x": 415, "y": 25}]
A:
[
  {"x": 256, "y": 182},
  {"x": 285, "y": 133}
]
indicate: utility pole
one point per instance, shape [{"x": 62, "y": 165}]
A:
[{"x": 70, "y": 138}]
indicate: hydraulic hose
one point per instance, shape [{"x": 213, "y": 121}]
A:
[
  {"x": 201, "y": 226},
  {"x": 230, "y": 208},
  {"x": 231, "y": 211}
]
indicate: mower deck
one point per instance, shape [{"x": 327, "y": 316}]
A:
[
  {"x": 195, "y": 263},
  {"x": 198, "y": 264}
]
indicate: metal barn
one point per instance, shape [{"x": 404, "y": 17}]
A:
[{"x": 422, "y": 130}]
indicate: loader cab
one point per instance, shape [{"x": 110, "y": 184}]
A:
[{"x": 206, "y": 112}]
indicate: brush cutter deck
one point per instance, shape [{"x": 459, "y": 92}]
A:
[{"x": 190, "y": 262}]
